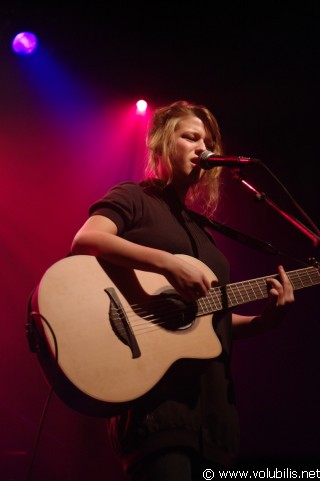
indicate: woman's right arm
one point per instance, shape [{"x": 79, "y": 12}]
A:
[{"x": 98, "y": 237}]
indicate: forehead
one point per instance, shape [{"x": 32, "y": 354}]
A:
[{"x": 191, "y": 123}]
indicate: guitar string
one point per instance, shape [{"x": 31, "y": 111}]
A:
[
  {"x": 214, "y": 294},
  {"x": 239, "y": 292},
  {"x": 240, "y": 289},
  {"x": 311, "y": 276},
  {"x": 259, "y": 290}
]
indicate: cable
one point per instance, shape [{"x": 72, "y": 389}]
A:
[{"x": 34, "y": 339}]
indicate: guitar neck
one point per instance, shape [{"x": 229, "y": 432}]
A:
[{"x": 238, "y": 293}]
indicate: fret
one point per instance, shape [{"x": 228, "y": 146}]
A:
[{"x": 260, "y": 288}]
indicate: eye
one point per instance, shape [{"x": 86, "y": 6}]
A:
[{"x": 189, "y": 137}]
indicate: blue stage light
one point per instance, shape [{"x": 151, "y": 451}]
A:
[{"x": 24, "y": 43}]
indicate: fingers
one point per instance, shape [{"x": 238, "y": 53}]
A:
[
  {"x": 195, "y": 290},
  {"x": 281, "y": 289},
  {"x": 188, "y": 280}
]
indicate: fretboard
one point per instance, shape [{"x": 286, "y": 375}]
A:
[{"x": 223, "y": 297}]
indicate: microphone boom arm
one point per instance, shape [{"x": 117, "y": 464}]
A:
[{"x": 261, "y": 196}]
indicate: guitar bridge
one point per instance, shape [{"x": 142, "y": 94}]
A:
[{"x": 120, "y": 323}]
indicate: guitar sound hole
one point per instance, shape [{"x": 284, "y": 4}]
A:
[{"x": 173, "y": 313}]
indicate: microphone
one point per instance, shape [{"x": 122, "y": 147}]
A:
[{"x": 208, "y": 160}]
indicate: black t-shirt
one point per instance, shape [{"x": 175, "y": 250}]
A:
[{"x": 193, "y": 404}]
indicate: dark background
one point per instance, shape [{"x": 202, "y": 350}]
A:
[{"x": 65, "y": 138}]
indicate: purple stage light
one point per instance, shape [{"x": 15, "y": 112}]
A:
[{"x": 24, "y": 43}]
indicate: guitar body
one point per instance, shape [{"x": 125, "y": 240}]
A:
[{"x": 112, "y": 330}]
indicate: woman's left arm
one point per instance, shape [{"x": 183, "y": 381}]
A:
[{"x": 281, "y": 296}]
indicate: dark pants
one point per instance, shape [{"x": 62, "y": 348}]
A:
[{"x": 172, "y": 465}]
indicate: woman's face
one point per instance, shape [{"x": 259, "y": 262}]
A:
[{"x": 190, "y": 140}]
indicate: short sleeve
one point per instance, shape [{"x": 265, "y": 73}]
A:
[{"x": 121, "y": 204}]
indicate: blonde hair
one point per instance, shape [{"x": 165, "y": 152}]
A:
[{"x": 205, "y": 193}]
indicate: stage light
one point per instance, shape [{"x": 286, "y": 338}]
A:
[
  {"x": 141, "y": 106},
  {"x": 24, "y": 43}
]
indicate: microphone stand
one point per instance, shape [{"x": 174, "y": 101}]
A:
[{"x": 261, "y": 196}]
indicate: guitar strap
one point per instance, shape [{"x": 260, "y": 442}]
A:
[
  {"x": 182, "y": 216},
  {"x": 249, "y": 240},
  {"x": 241, "y": 237}
]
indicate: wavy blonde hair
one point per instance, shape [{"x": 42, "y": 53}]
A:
[{"x": 205, "y": 193}]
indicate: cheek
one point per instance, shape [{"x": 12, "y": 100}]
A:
[
  {"x": 177, "y": 161},
  {"x": 179, "y": 155}
]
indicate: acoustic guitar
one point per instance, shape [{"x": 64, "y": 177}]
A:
[{"x": 106, "y": 335}]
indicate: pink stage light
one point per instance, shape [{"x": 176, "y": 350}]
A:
[
  {"x": 24, "y": 43},
  {"x": 141, "y": 106}
]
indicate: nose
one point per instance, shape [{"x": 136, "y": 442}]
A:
[{"x": 201, "y": 146}]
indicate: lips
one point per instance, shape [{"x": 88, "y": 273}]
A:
[{"x": 195, "y": 162}]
